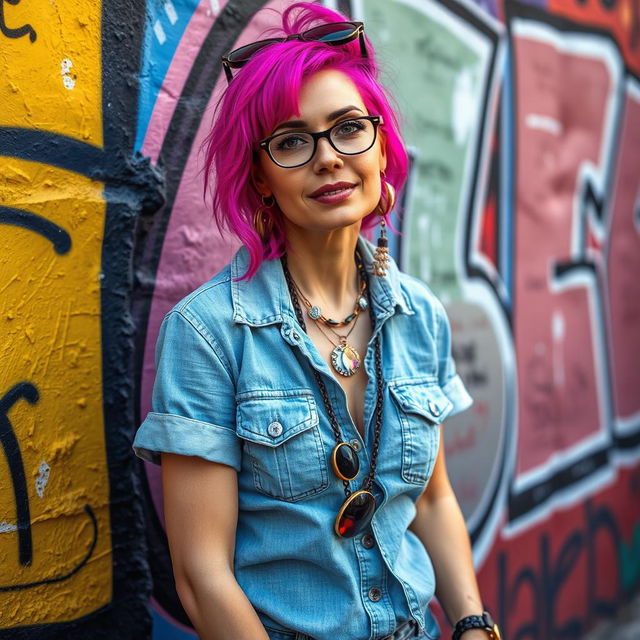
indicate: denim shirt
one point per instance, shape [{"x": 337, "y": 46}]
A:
[{"x": 234, "y": 385}]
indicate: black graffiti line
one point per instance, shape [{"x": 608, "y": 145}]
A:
[
  {"x": 20, "y": 31},
  {"x": 60, "y": 239},
  {"x": 65, "y": 576},
  {"x": 11, "y": 449}
]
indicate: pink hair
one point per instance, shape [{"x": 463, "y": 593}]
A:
[{"x": 262, "y": 94}]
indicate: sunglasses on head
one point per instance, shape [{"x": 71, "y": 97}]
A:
[{"x": 333, "y": 33}]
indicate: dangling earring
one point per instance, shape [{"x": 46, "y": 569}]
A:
[
  {"x": 381, "y": 256},
  {"x": 262, "y": 221}
]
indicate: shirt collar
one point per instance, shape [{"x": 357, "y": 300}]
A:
[{"x": 265, "y": 299}]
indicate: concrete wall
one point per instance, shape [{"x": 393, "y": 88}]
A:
[{"x": 522, "y": 213}]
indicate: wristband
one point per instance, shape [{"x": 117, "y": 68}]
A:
[{"x": 484, "y": 622}]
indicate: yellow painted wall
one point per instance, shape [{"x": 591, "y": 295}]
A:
[{"x": 50, "y": 321}]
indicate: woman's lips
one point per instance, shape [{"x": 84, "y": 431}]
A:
[{"x": 334, "y": 197}]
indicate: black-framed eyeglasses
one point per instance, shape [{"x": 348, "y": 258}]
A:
[
  {"x": 333, "y": 33},
  {"x": 350, "y": 137}
]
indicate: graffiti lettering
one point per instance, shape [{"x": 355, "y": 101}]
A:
[
  {"x": 18, "y": 32},
  {"x": 60, "y": 239},
  {"x": 12, "y": 452},
  {"x": 537, "y": 588}
]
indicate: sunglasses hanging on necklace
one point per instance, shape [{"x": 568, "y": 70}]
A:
[{"x": 356, "y": 512}]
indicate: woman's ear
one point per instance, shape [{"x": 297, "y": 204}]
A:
[
  {"x": 383, "y": 151},
  {"x": 259, "y": 181}
]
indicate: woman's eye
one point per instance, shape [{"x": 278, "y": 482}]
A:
[
  {"x": 288, "y": 143},
  {"x": 349, "y": 127}
]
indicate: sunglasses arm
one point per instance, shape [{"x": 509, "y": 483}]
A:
[{"x": 363, "y": 46}]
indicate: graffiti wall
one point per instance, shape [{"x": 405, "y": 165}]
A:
[
  {"x": 522, "y": 212},
  {"x": 72, "y": 533}
]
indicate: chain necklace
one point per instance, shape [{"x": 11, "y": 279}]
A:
[
  {"x": 315, "y": 312},
  {"x": 345, "y": 359},
  {"x": 357, "y": 510}
]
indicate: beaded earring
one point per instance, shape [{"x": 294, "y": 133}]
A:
[{"x": 385, "y": 206}]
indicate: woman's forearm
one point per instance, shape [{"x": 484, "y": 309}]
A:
[
  {"x": 441, "y": 528},
  {"x": 219, "y": 609}
]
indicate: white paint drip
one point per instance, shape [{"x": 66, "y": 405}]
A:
[
  {"x": 464, "y": 105},
  {"x": 170, "y": 10},
  {"x": 159, "y": 31},
  {"x": 42, "y": 478},
  {"x": 544, "y": 123},
  {"x": 6, "y": 527},
  {"x": 68, "y": 80}
]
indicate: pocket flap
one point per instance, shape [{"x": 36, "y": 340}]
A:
[
  {"x": 273, "y": 420},
  {"x": 425, "y": 399}
]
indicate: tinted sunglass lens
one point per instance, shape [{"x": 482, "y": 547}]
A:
[
  {"x": 355, "y": 514},
  {"x": 330, "y": 32},
  {"x": 243, "y": 54},
  {"x": 345, "y": 461}
]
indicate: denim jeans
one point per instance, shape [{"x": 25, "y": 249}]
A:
[{"x": 406, "y": 631}]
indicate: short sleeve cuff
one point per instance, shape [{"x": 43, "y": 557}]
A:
[
  {"x": 457, "y": 394},
  {"x": 164, "y": 432}
]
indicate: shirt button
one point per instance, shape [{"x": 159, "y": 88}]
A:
[
  {"x": 296, "y": 336},
  {"x": 355, "y": 444},
  {"x": 274, "y": 429},
  {"x": 375, "y": 594},
  {"x": 368, "y": 541},
  {"x": 434, "y": 408}
]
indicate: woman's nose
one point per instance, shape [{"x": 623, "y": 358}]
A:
[{"x": 326, "y": 156}]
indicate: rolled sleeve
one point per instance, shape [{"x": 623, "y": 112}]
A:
[
  {"x": 193, "y": 401},
  {"x": 450, "y": 382}
]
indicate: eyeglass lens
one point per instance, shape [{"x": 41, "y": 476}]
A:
[{"x": 349, "y": 137}]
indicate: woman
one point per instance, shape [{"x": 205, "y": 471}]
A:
[{"x": 300, "y": 392}]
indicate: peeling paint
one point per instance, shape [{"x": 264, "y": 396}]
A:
[{"x": 42, "y": 478}]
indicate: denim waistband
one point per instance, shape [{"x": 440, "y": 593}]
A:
[{"x": 405, "y": 631}]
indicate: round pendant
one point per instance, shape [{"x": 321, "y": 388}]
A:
[
  {"x": 355, "y": 514},
  {"x": 315, "y": 312},
  {"x": 362, "y": 302},
  {"x": 344, "y": 461},
  {"x": 345, "y": 360}
]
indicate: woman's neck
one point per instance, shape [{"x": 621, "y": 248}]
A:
[{"x": 323, "y": 266}]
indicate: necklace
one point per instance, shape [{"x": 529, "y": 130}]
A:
[
  {"x": 345, "y": 360},
  {"x": 315, "y": 312},
  {"x": 357, "y": 510}
]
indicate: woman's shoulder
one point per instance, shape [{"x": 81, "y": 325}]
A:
[
  {"x": 420, "y": 296},
  {"x": 210, "y": 302}
]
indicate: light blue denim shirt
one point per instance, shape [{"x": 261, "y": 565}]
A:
[{"x": 231, "y": 359}]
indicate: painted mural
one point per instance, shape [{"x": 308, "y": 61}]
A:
[{"x": 522, "y": 212}]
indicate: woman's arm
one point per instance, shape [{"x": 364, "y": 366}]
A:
[
  {"x": 201, "y": 514},
  {"x": 440, "y": 526}
]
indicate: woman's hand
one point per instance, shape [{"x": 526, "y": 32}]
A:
[{"x": 475, "y": 634}]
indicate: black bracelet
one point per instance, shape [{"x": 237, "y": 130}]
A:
[{"x": 484, "y": 622}]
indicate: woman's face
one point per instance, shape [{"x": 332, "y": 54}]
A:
[{"x": 323, "y": 94}]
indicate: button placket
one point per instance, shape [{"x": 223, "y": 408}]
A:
[
  {"x": 368, "y": 541},
  {"x": 375, "y": 594}
]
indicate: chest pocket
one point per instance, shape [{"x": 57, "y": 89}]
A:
[
  {"x": 421, "y": 407},
  {"x": 284, "y": 446}
]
